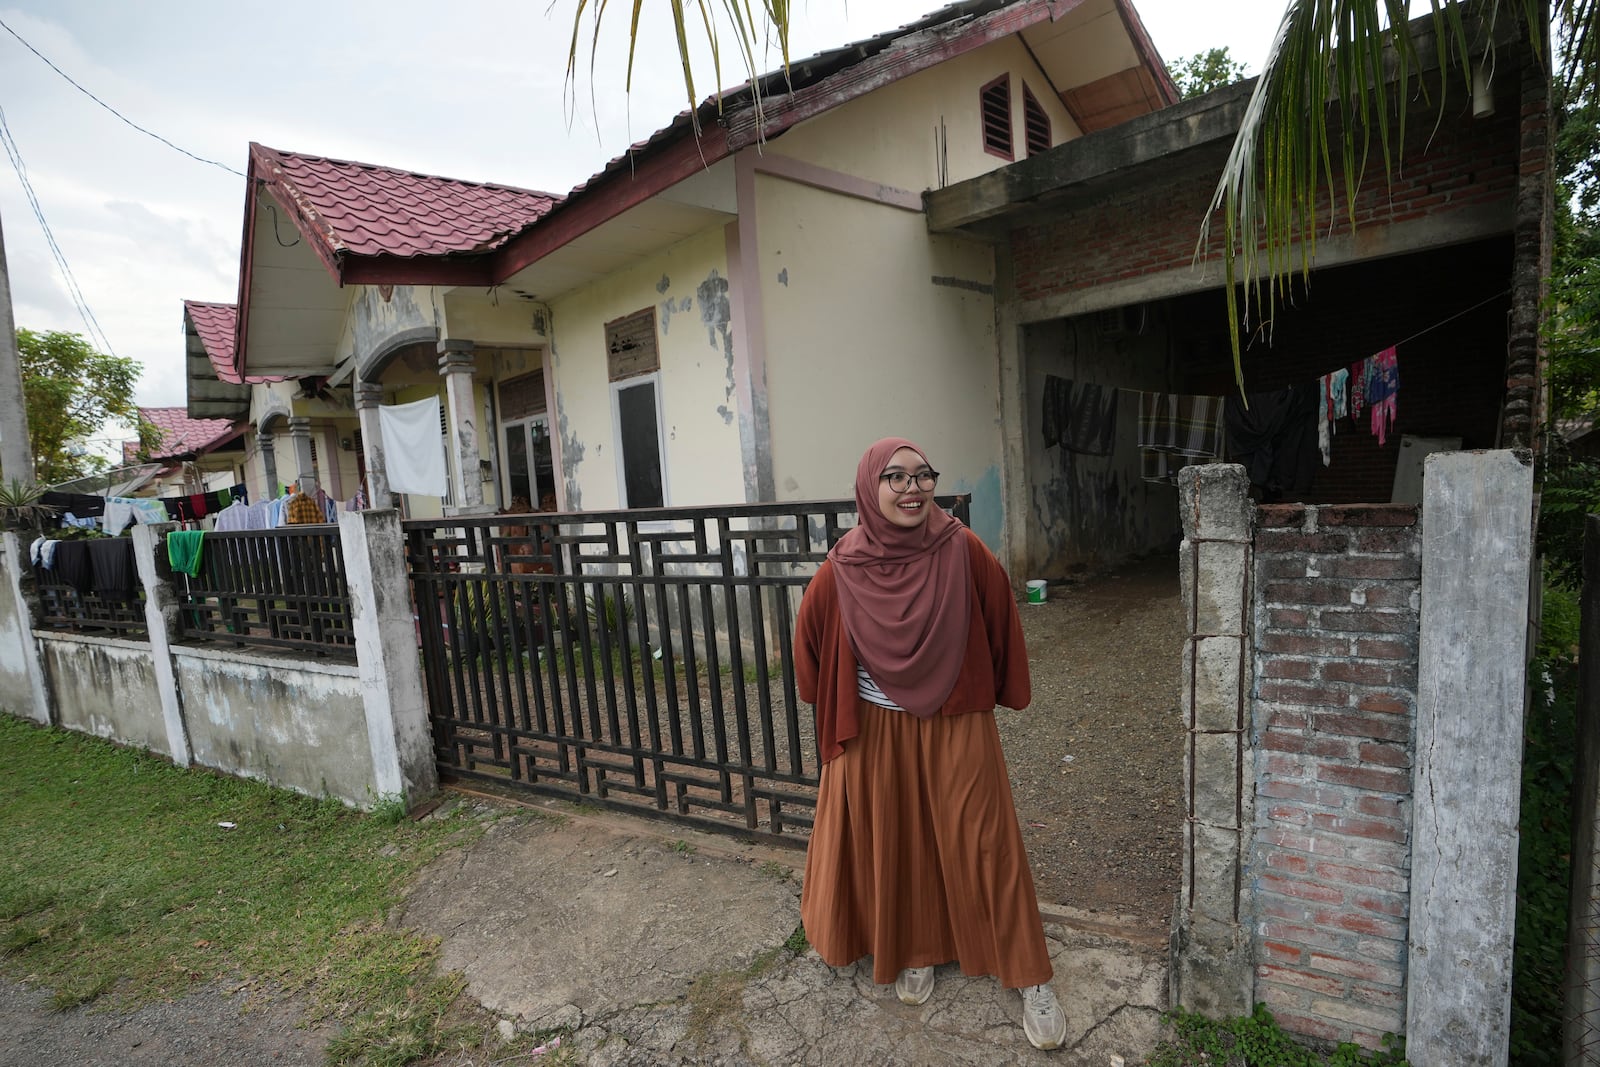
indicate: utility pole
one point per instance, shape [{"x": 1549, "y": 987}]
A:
[{"x": 16, "y": 457}]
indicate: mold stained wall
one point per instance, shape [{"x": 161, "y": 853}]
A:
[
  {"x": 1087, "y": 513},
  {"x": 106, "y": 689},
  {"x": 874, "y": 327},
  {"x": 687, "y": 286}
]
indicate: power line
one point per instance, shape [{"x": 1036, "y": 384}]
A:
[
  {"x": 108, "y": 107},
  {"x": 97, "y": 334}
]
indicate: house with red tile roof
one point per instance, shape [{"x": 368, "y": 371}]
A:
[
  {"x": 727, "y": 312},
  {"x": 197, "y": 455}
]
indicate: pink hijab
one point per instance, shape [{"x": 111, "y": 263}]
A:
[{"x": 905, "y": 595}]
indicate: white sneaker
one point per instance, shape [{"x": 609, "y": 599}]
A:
[
  {"x": 1042, "y": 1018},
  {"x": 915, "y": 985}
]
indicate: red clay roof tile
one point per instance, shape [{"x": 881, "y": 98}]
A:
[{"x": 180, "y": 433}]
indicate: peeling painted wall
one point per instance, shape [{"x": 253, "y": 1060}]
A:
[
  {"x": 106, "y": 688},
  {"x": 687, "y": 286},
  {"x": 373, "y": 323},
  {"x": 1088, "y": 513},
  {"x": 297, "y": 725},
  {"x": 862, "y": 343},
  {"x": 16, "y": 646}
]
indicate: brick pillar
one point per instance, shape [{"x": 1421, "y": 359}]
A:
[
  {"x": 1211, "y": 945},
  {"x": 369, "y": 395},
  {"x": 456, "y": 363}
]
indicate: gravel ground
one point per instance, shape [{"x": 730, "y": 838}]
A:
[{"x": 1096, "y": 760}]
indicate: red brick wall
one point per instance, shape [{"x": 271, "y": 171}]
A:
[
  {"x": 1336, "y": 627},
  {"x": 1152, "y": 226}
]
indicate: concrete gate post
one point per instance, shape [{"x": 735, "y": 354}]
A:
[
  {"x": 1477, "y": 542},
  {"x": 1212, "y": 955},
  {"x": 161, "y": 622},
  {"x": 21, "y": 666},
  {"x": 386, "y": 655}
]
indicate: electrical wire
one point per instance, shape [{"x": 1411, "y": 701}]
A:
[
  {"x": 108, "y": 107},
  {"x": 96, "y": 334}
]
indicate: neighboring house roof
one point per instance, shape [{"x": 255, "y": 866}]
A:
[
  {"x": 214, "y": 324},
  {"x": 181, "y": 435},
  {"x": 362, "y": 218},
  {"x": 217, "y": 386}
]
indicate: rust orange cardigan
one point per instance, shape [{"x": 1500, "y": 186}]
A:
[{"x": 995, "y": 670}]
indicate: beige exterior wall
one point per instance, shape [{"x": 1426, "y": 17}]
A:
[
  {"x": 888, "y": 136},
  {"x": 700, "y": 432},
  {"x": 862, "y": 344}
]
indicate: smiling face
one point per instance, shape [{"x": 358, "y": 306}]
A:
[{"x": 910, "y": 508}]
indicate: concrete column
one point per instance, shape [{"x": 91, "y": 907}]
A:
[
  {"x": 269, "y": 463},
  {"x": 1477, "y": 538},
  {"x": 1581, "y": 1035},
  {"x": 1015, "y": 531},
  {"x": 22, "y": 677},
  {"x": 300, "y": 436},
  {"x": 161, "y": 620},
  {"x": 386, "y": 655},
  {"x": 456, "y": 363},
  {"x": 16, "y": 455},
  {"x": 1212, "y": 948},
  {"x": 369, "y": 395}
]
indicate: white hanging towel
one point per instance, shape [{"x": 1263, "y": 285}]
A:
[{"x": 413, "y": 452}]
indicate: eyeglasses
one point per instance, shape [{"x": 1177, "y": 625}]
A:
[{"x": 900, "y": 481}]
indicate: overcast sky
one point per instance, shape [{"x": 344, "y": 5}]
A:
[{"x": 467, "y": 90}]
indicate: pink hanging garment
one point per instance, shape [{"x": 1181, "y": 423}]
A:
[
  {"x": 1358, "y": 388},
  {"x": 1383, "y": 388}
]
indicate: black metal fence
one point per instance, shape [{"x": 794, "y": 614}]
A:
[
  {"x": 639, "y": 659},
  {"x": 279, "y": 588},
  {"x": 91, "y": 587}
]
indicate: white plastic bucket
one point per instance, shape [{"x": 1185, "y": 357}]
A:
[{"x": 1036, "y": 591}]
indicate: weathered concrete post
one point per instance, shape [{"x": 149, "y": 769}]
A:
[
  {"x": 269, "y": 463},
  {"x": 456, "y": 363},
  {"x": 305, "y": 467},
  {"x": 1581, "y": 1036},
  {"x": 386, "y": 655},
  {"x": 22, "y": 676},
  {"x": 16, "y": 455},
  {"x": 1477, "y": 542},
  {"x": 161, "y": 622},
  {"x": 369, "y": 395},
  {"x": 1212, "y": 956}
]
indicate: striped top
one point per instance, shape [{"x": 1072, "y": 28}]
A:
[{"x": 869, "y": 691}]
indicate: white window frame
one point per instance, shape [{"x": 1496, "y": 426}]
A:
[{"x": 654, "y": 380}]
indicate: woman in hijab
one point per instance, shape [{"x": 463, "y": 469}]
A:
[{"x": 907, "y": 638}]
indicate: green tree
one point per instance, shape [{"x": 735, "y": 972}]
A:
[
  {"x": 1204, "y": 71},
  {"x": 71, "y": 391}
]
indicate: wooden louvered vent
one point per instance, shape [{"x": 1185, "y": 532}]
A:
[
  {"x": 994, "y": 109},
  {"x": 1035, "y": 124}
]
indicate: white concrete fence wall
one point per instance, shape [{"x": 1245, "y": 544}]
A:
[{"x": 354, "y": 731}]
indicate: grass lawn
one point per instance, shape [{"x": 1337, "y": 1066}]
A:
[{"x": 125, "y": 879}]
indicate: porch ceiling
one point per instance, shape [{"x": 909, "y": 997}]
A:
[
  {"x": 618, "y": 243},
  {"x": 296, "y": 309}
]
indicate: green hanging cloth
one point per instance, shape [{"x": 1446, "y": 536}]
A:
[{"x": 183, "y": 551}]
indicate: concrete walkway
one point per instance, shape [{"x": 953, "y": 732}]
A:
[{"x": 644, "y": 943}]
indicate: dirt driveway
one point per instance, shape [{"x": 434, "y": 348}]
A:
[{"x": 1096, "y": 759}]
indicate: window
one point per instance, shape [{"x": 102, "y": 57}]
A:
[
  {"x": 634, "y": 365},
  {"x": 994, "y": 112},
  {"x": 1035, "y": 124}
]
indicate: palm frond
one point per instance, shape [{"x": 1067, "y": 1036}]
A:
[{"x": 1336, "y": 79}]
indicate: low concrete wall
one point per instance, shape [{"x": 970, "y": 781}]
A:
[
  {"x": 298, "y": 725},
  {"x": 105, "y": 687}
]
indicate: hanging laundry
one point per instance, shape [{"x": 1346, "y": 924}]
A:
[
  {"x": 1339, "y": 390},
  {"x": 1333, "y": 405},
  {"x": 1383, "y": 390},
  {"x": 115, "y": 574},
  {"x": 1273, "y": 439},
  {"x": 1358, "y": 389},
  {"x": 83, "y": 505},
  {"x": 183, "y": 551},
  {"x": 1082, "y": 416},
  {"x": 412, "y": 449},
  {"x": 1178, "y": 426},
  {"x": 72, "y": 564},
  {"x": 235, "y": 516}
]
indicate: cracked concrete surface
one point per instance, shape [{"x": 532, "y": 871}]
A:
[{"x": 650, "y": 944}]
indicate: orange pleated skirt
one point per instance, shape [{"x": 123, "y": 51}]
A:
[{"x": 916, "y": 857}]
